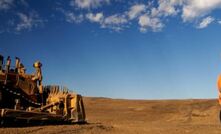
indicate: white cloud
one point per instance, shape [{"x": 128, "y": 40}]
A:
[
  {"x": 6, "y": 4},
  {"x": 205, "y": 22},
  {"x": 150, "y": 15},
  {"x": 219, "y": 22},
  {"x": 27, "y": 22},
  {"x": 88, "y": 3},
  {"x": 153, "y": 19},
  {"x": 198, "y": 8},
  {"x": 190, "y": 9},
  {"x": 136, "y": 10},
  {"x": 98, "y": 17},
  {"x": 116, "y": 22},
  {"x": 115, "y": 19},
  {"x": 72, "y": 18},
  {"x": 146, "y": 22},
  {"x": 167, "y": 8}
]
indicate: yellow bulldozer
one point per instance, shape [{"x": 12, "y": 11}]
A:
[{"x": 23, "y": 98}]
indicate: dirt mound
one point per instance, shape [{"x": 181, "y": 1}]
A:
[{"x": 139, "y": 116}]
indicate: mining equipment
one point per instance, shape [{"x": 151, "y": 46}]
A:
[{"x": 24, "y": 99}]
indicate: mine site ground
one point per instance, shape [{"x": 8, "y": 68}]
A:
[{"x": 117, "y": 116}]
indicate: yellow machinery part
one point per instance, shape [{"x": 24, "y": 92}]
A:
[{"x": 219, "y": 88}]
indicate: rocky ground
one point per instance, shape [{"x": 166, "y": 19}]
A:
[{"x": 138, "y": 117}]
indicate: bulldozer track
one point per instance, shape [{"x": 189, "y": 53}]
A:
[{"x": 13, "y": 92}]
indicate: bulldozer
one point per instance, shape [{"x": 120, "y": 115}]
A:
[{"x": 24, "y": 99}]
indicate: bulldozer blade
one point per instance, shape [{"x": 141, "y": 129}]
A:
[{"x": 22, "y": 118}]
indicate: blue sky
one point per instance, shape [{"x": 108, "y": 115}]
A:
[{"x": 162, "y": 49}]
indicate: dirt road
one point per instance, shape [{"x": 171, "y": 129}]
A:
[{"x": 139, "y": 117}]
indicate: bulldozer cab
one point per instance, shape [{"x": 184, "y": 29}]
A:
[{"x": 1, "y": 62}]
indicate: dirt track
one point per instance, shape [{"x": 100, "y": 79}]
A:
[{"x": 141, "y": 117}]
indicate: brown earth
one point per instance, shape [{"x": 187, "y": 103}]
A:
[{"x": 138, "y": 117}]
